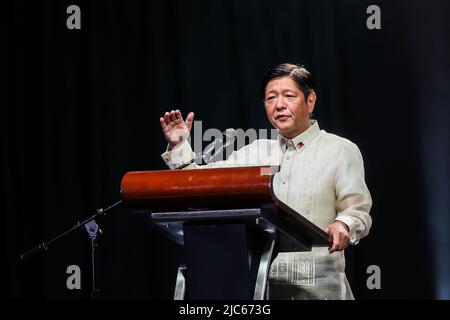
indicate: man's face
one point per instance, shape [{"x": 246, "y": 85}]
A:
[{"x": 286, "y": 107}]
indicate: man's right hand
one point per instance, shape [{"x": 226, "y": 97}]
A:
[{"x": 176, "y": 130}]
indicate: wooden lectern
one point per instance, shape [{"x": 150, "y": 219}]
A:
[{"x": 232, "y": 226}]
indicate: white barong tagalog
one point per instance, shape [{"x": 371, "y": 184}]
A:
[{"x": 322, "y": 177}]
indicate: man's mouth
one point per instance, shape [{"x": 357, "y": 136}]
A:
[{"x": 282, "y": 117}]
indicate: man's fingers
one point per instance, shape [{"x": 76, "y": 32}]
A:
[
  {"x": 163, "y": 123},
  {"x": 178, "y": 115},
  {"x": 330, "y": 239},
  {"x": 190, "y": 119},
  {"x": 330, "y": 235},
  {"x": 173, "y": 119},
  {"x": 344, "y": 242},
  {"x": 172, "y": 115},
  {"x": 336, "y": 241},
  {"x": 167, "y": 117}
]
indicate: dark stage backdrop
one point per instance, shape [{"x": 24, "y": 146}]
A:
[{"x": 79, "y": 108}]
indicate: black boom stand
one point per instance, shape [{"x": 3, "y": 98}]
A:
[{"x": 92, "y": 229}]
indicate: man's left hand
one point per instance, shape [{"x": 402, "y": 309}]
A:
[{"x": 338, "y": 235}]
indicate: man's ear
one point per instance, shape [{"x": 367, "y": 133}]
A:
[{"x": 311, "y": 101}]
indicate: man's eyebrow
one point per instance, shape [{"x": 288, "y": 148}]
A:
[{"x": 282, "y": 90}]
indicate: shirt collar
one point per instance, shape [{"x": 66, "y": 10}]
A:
[{"x": 303, "y": 139}]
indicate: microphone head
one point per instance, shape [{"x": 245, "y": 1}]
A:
[{"x": 230, "y": 132}]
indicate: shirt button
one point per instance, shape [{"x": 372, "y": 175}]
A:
[
  {"x": 283, "y": 182},
  {"x": 288, "y": 157}
]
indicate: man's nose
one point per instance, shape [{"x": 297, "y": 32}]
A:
[{"x": 280, "y": 104}]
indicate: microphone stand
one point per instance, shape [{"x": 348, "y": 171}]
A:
[
  {"x": 195, "y": 159},
  {"x": 92, "y": 229}
]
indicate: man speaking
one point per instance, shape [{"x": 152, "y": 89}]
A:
[{"x": 321, "y": 176}]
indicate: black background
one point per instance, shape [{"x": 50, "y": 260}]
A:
[{"x": 80, "y": 108}]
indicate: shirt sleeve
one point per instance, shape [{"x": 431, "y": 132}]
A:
[
  {"x": 180, "y": 154},
  {"x": 353, "y": 199}
]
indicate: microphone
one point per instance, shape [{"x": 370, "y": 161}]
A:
[
  {"x": 208, "y": 155},
  {"x": 218, "y": 146}
]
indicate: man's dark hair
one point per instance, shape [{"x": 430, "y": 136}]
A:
[{"x": 298, "y": 73}]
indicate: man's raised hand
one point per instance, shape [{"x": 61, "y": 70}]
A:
[{"x": 174, "y": 128}]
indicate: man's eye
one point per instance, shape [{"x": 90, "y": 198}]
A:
[{"x": 270, "y": 98}]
